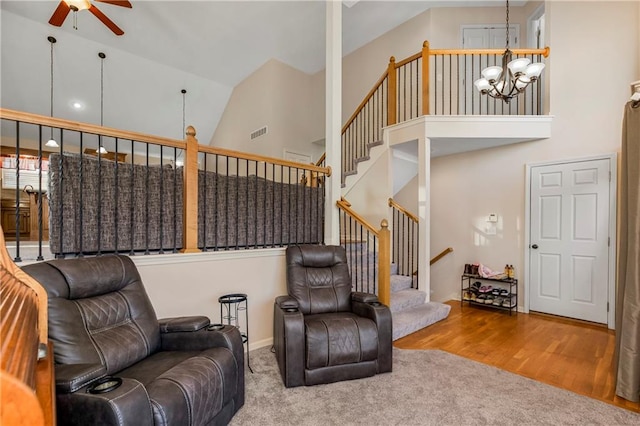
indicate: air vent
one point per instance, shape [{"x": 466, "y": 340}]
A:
[{"x": 257, "y": 133}]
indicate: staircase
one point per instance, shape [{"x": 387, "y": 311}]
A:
[
  {"x": 409, "y": 312},
  {"x": 408, "y": 308}
]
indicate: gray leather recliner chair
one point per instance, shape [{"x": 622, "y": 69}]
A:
[
  {"x": 324, "y": 332},
  {"x": 179, "y": 371}
]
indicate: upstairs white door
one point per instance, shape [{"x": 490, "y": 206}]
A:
[{"x": 569, "y": 239}]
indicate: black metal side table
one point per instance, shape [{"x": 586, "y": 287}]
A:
[{"x": 230, "y": 307}]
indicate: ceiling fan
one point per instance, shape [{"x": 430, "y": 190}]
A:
[{"x": 66, "y": 6}]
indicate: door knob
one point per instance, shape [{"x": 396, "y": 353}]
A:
[{"x": 534, "y": 246}]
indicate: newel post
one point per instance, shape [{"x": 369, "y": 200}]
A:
[
  {"x": 384, "y": 264},
  {"x": 425, "y": 78},
  {"x": 190, "y": 213},
  {"x": 392, "y": 88}
]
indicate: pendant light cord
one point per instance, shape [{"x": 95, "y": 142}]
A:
[
  {"x": 184, "y": 93},
  {"x": 52, "y": 40},
  {"x": 102, "y": 56}
]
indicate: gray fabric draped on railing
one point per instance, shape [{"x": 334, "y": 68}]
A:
[
  {"x": 98, "y": 205},
  {"x": 254, "y": 212},
  {"x": 628, "y": 286}
]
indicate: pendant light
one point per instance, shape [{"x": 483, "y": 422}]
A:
[
  {"x": 512, "y": 78},
  {"x": 51, "y": 143},
  {"x": 101, "y": 149}
]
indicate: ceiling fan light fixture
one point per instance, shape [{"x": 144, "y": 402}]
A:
[{"x": 77, "y": 5}]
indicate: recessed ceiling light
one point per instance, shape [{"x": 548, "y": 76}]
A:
[{"x": 77, "y": 105}]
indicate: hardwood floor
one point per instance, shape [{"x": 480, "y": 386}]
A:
[{"x": 569, "y": 354}]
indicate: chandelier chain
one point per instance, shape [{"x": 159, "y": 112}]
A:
[{"x": 507, "y": 24}]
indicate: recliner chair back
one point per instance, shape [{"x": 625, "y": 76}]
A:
[
  {"x": 318, "y": 278},
  {"x": 99, "y": 312}
]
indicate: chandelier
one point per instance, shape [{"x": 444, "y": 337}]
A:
[{"x": 512, "y": 78}]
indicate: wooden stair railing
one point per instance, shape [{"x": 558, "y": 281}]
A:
[
  {"x": 404, "y": 91},
  {"x": 364, "y": 231},
  {"x": 190, "y": 147},
  {"x": 404, "y": 240},
  {"x": 442, "y": 254}
]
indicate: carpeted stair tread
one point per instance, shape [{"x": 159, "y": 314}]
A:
[
  {"x": 418, "y": 317},
  {"x": 406, "y": 299},
  {"x": 400, "y": 282}
]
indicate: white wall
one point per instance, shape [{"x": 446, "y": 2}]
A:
[
  {"x": 180, "y": 285},
  {"x": 369, "y": 195},
  {"x": 278, "y": 96},
  {"x": 137, "y": 92}
]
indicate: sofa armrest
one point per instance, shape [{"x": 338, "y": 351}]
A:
[
  {"x": 287, "y": 303},
  {"x": 128, "y": 404},
  {"x": 288, "y": 340},
  {"x": 194, "y": 323},
  {"x": 381, "y": 315},
  {"x": 358, "y": 296},
  {"x": 212, "y": 336},
  {"x": 71, "y": 377}
]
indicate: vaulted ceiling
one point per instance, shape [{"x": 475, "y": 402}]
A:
[{"x": 218, "y": 42}]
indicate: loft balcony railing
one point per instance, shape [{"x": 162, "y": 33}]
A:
[
  {"x": 147, "y": 194},
  {"x": 432, "y": 82}
]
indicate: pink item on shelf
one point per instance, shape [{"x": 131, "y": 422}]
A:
[{"x": 485, "y": 272}]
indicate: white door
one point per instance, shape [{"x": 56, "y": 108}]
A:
[{"x": 569, "y": 243}]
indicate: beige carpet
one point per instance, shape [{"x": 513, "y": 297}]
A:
[{"x": 425, "y": 388}]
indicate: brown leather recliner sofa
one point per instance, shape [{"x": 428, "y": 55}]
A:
[
  {"x": 324, "y": 332},
  {"x": 179, "y": 371}
]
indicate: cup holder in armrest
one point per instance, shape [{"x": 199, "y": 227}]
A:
[
  {"x": 375, "y": 303},
  {"x": 215, "y": 327},
  {"x": 291, "y": 309},
  {"x": 104, "y": 385}
]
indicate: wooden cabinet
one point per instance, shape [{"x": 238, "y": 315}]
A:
[
  {"x": 28, "y": 216},
  {"x": 9, "y": 223}
]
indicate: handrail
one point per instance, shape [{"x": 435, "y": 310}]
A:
[
  {"x": 406, "y": 212},
  {"x": 47, "y": 121},
  {"x": 544, "y": 51},
  {"x": 256, "y": 157},
  {"x": 190, "y": 171},
  {"x": 321, "y": 160},
  {"x": 27, "y": 117},
  {"x": 383, "y": 236},
  {"x": 442, "y": 254},
  {"x": 346, "y": 206},
  {"x": 364, "y": 101}
]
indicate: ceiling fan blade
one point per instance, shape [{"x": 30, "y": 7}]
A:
[
  {"x": 108, "y": 22},
  {"x": 121, "y": 3},
  {"x": 60, "y": 14}
]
